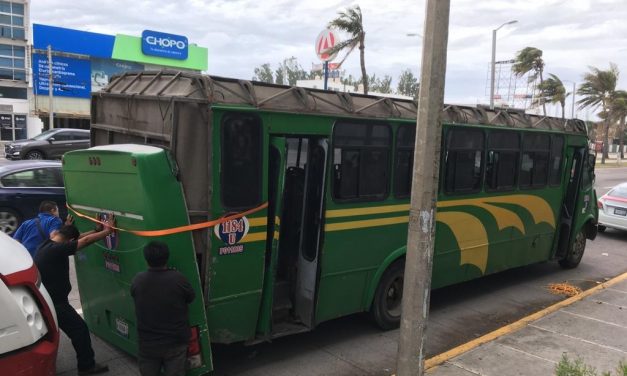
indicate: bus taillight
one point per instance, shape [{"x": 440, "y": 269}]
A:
[{"x": 194, "y": 357}]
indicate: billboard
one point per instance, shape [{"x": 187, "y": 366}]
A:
[
  {"x": 103, "y": 69},
  {"x": 70, "y": 77}
]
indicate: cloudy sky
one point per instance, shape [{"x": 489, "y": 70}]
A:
[{"x": 243, "y": 34}]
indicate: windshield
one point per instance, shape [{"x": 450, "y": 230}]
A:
[
  {"x": 619, "y": 191},
  {"x": 44, "y": 135}
]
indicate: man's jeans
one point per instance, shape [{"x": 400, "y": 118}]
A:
[{"x": 171, "y": 358}]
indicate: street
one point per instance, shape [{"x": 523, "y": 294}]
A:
[{"x": 354, "y": 346}]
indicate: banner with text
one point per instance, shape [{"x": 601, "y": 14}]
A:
[{"x": 70, "y": 77}]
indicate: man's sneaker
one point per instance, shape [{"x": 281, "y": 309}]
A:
[{"x": 96, "y": 369}]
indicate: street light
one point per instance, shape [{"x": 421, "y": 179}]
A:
[{"x": 494, "y": 62}]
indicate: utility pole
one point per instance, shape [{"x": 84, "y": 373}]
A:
[
  {"x": 50, "y": 90},
  {"x": 421, "y": 234}
]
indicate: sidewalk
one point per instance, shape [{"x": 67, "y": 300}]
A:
[{"x": 591, "y": 326}]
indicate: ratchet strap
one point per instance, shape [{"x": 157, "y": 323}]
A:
[{"x": 173, "y": 230}]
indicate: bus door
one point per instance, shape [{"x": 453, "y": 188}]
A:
[
  {"x": 569, "y": 204},
  {"x": 296, "y": 175}
]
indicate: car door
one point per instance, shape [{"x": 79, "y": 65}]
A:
[
  {"x": 81, "y": 140},
  {"x": 60, "y": 143}
]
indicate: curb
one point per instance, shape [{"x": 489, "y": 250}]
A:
[{"x": 515, "y": 326}]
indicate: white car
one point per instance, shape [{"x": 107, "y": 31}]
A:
[
  {"x": 29, "y": 334},
  {"x": 613, "y": 208}
]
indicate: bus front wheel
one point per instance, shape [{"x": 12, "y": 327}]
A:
[
  {"x": 386, "y": 306},
  {"x": 575, "y": 253}
]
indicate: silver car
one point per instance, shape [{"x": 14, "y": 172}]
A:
[{"x": 613, "y": 208}]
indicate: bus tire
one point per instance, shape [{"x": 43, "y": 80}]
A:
[
  {"x": 386, "y": 305},
  {"x": 575, "y": 253}
]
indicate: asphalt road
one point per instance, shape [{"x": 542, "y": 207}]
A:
[{"x": 354, "y": 346}]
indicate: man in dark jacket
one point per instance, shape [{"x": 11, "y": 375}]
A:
[
  {"x": 161, "y": 298},
  {"x": 52, "y": 260}
]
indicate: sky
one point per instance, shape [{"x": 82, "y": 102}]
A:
[{"x": 243, "y": 34}]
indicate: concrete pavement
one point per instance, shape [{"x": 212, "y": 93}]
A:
[{"x": 591, "y": 326}]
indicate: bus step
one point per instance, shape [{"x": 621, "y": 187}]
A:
[{"x": 281, "y": 300}]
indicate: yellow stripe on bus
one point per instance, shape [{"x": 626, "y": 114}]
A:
[
  {"x": 256, "y": 222},
  {"x": 365, "y": 211},
  {"x": 366, "y": 223},
  {"x": 255, "y": 237}
]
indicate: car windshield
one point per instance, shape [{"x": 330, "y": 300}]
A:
[
  {"x": 619, "y": 191},
  {"x": 44, "y": 135}
]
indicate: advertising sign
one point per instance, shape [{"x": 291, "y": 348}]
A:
[
  {"x": 103, "y": 69},
  {"x": 166, "y": 45},
  {"x": 326, "y": 40},
  {"x": 70, "y": 77}
]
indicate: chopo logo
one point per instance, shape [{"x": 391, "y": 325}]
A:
[
  {"x": 166, "y": 45},
  {"x": 165, "y": 42},
  {"x": 232, "y": 231},
  {"x": 111, "y": 240}
]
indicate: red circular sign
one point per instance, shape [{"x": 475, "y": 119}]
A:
[{"x": 326, "y": 40}]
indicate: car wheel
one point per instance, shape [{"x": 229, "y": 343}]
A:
[
  {"x": 386, "y": 306},
  {"x": 9, "y": 221},
  {"x": 34, "y": 154},
  {"x": 575, "y": 253},
  {"x": 601, "y": 228}
]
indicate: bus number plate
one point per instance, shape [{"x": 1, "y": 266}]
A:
[
  {"x": 620, "y": 211},
  {"x": 122, "y": 327}
]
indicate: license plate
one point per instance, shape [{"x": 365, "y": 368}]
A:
[
  {"x": 620, "y": 211},
  {"x": 122, "y": 327}
]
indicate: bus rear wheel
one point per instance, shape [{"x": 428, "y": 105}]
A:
[
  {"x": 575, "y": 253},
  {"x": 386, "y": 306}
]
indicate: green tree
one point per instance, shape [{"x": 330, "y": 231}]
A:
[
  {"x": 263, "y": 73},
  {"x": 529, "y": 60},
  {"x": 407, "y": 84},
  {"x": 598, "y": 89},
  {"x": 351, "y": 22},
  {"x": 290, "y": 71},
  {"x": 551, "y": 90},
  {"x": 380, "y": 85},
  {"x": 618, "y": 111}
]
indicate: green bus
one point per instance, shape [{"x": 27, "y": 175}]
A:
[{"x": 286, "y": 207}]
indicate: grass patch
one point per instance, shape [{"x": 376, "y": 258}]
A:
[{"x": 577, "y": 367}]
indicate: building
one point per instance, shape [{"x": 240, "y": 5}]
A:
[
  {"x": 336, "y": 84},
  {"x": 83, "y": 62},
  {"x": 14, "y": 77}
]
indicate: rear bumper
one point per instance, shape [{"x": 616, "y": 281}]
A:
[
  {"x": 612, "y": 221},
  {"x": 36, "y": 360}
]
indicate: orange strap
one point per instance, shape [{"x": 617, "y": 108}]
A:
[{"x": 174, "y": 230}]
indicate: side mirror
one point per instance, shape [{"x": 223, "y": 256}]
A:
[{"x": 51, "y": 139}]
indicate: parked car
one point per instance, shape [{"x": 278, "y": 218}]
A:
[
  {"x": 29, "y": 338},
  {"x": 51, "y": 144},
  {"x": 23, "y": 186},
  {"x": 613, "y": 208}
]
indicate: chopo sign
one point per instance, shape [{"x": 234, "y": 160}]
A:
[{"x": 232, "y": 231}]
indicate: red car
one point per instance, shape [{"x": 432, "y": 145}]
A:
[{"x": 29, "y": 334}]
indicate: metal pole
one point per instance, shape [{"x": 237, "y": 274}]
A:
[
  {"x": 50, "y": 90},
  {"x": 421, "y": 234},
  {"x": 326, "y": 74},
  {"x": 493, "y": 66}
]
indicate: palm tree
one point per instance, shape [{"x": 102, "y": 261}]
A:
[
  {"x": 351, "y": 22},
  {"x": 618, "y": 109},
  {"x": 552, "y": 91},
  {"x": 529, "y": 59},
  {"x": 599, "y": 89}
]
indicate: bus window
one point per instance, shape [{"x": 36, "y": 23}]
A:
[
  {"x": 241, "y": 161},
  {"x": 360, "y": 161},
  {"x": 503, "y": 155},
  {"x": 404, "y": 161},
  {"x": 463, "y": 160},
  {"x": 555, "y": 172},
  {"x": 535, "y": 160}
]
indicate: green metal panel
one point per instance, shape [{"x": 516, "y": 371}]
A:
[
  {"x": 129, "y": 48},
  {"x": 137, "y": 183}
]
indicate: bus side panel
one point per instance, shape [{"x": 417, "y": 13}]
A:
[
  {"x": 236, "y": 278},
  {"x": 146, "y": 196}
]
